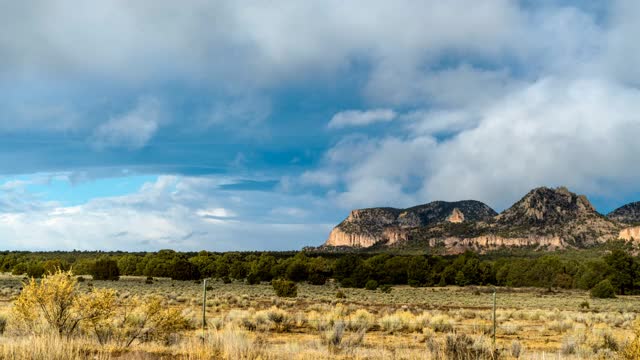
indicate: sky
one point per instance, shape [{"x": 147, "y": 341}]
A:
[{"x": 252, "y": 125}]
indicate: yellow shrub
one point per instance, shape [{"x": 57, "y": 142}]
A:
[{"x": 632, "y": 350}]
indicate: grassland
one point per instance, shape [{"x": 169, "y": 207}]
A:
[{"x": 246, "y": 321}]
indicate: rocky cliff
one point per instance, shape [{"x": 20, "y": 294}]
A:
[
  {"x": 630, "y": 234},
  {"x": 556, "y": 212},
  {"x": 628, "y": 214},
  {"x": 544, "y": 218},
  {"x": 366, "y": 227}
]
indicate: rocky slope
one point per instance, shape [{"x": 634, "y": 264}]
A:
[
  {"x": 544, "y": 218},
  {"x": 628, "y": 214},
  {"x": 366, "y": 227},
  {"x": 556, "y": 212}
]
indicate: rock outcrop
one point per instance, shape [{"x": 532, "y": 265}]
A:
[
  {"x": 556, "y": 212},
  {"x": 544, "y": 218},
  {"x": 366, "y": 227},
  {"x": 455, "y": 245},
  {"x": 630, "y": 234},
  {"x": 456, "y": 216}
]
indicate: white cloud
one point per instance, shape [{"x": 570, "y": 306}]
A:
[
  {"x": 131, "y": 130},
  {"x": 557, "y": 131},
  {"x": 181, "y": 213},
  {"x": 215, "y": 213},
  {"x": 360, "y": 118}
]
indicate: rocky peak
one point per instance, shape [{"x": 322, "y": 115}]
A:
[
  {"x": 548, "y": 206},
  {"x": 629, "y": 213}
]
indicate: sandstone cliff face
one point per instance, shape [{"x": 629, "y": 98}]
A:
[
  {"x": 630, "y": 234},
  {"x": 366, "y": 227},
  {"x": 456, "y": 216},
  {"x": 454, "y": 245},
  {"x": 338, "y": 237}
]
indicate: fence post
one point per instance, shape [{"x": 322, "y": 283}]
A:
[
  {"x": 494, "y": 318},
  {"x": 204, "y": 307}
]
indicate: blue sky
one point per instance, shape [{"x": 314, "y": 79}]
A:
[{"x": 226, "y": 125}]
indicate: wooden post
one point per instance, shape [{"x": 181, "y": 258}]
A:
[{"x": 204, "y": 308}]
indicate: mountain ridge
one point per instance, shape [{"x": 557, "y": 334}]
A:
[{"x": 549, "y": 218}]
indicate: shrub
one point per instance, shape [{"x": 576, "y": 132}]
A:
[
  {"x": 35, "y": 270},
  {"x": 105, "y": 269},
  {"x": 19, "y": 269},
  {"x": 56, "y": 301},
  {"x": 609, "y": 342},
  {"x": 341, "y": 295},
  {"x": 371, "y": 285},
  {"x": 463, "y": 347},
  {"x": 386, "y": 288},
  {"x": 226, "y": 280},
  {"x": 603, "y": 290},
  {"x": 285, "y": 288},
  {"x": 348, "y": 283},
  {"x": 631, "y": 351},
  {"x": 253, "y": 278},
  {"x": 516, "y": 349},
  {"x": 316, "y": 278},
  {"x": 584, "y": 305},
  {"x": 568, "y": 346},
  {"x": 3, "y": 324}
]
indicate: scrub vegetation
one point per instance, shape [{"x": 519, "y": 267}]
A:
[{"x": 317, "y": 306}]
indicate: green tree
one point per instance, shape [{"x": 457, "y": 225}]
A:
[
  {"x": 623, "y": 270},
  {"x": 128, "y": 264},
  {"x": 603, "y": 290},
  {"x": 105, "y": 269},
  {"x": 181, "y": 269}
]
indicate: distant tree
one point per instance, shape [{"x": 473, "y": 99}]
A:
[
  {"x": 82, "y": 266},
  {"x": 53, "y": 265},
  {"x": 418, "y": 271},
  {"x": 105, "y": 269},
  {"x": 592, "y": 273},
  {"x": 128, "y": 264},
  {"x": 35, "y": 269},
  {"x": 181, "y": 269},
  {"x": 19, "y": 269},
  {"x": 345, "y": 266},
  {"x": 297, "y": 271},
  {"x": 603, "y": 290},
  {"x": 623, "y": 270},
  {"x": 253, "y": 278}
]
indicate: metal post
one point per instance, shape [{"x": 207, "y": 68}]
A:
[
  {"x": 204, "y": 307},
  {"x": 494, "y": 318}
]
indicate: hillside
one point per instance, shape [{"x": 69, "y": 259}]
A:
[
  {"x": 366, "y": 227},
  {"x": 628, "y": 214},
  {"x": 544, "y": 218}
]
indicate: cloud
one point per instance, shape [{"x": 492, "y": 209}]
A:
[
  {"x": 360, "y": 118},
  {"x": 132, "y": 130},
  {"x": 182, "y": 213},
  {"x": 556, "y": 131}
]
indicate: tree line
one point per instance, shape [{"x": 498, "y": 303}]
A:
[{"x": 619, "y": 267}]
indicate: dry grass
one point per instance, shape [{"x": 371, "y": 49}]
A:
[{"x": 249, "y": 322}]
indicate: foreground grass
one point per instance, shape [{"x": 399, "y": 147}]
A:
[{"x": 249, "y": 322}]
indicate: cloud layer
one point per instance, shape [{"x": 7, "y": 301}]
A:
[{"x": 307, "y": 107}]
